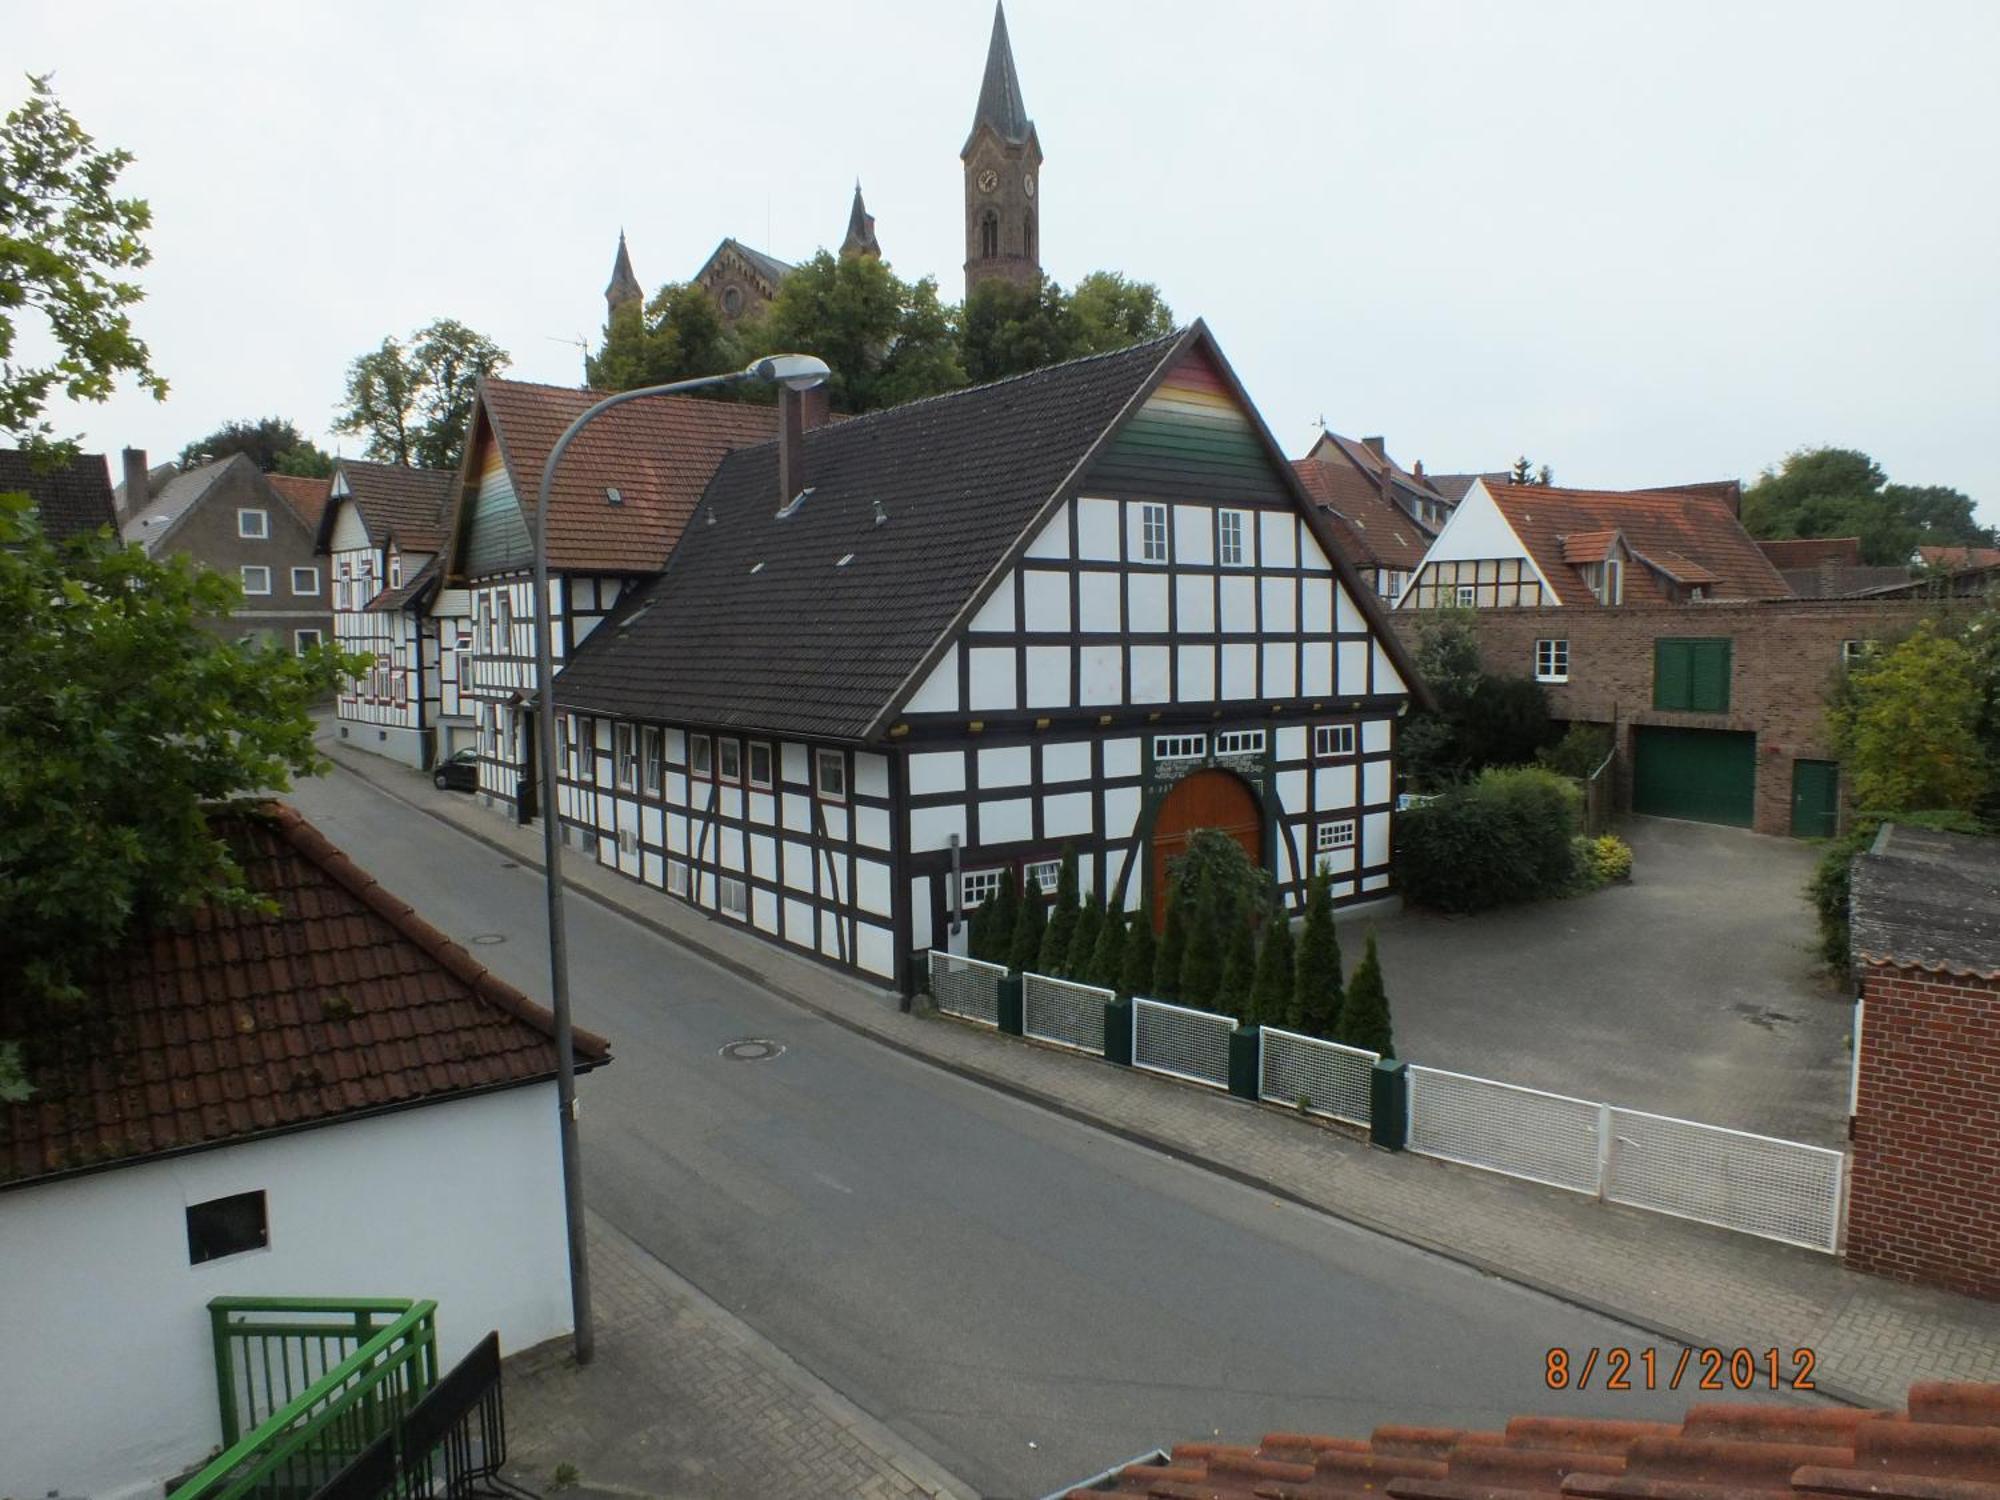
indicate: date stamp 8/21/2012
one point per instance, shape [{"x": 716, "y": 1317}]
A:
[{"x": 1617, "y": 1368}]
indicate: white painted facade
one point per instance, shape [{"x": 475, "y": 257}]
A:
[
  {"x": 107, "y": 1387},
  {"x": 390, "y": 709},
  {"x": 1478, "y": 551}
]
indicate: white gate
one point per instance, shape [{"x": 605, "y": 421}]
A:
[
  {"x": 1782, "y": 1190},
  {"x": 968, "y": 987},
  {"x": 1063, "y": 1012},
  {"x": 1330, "y": 1078},
  {"x": 1503, "y": 1127},
  {"x": 1180, "y": 1042}
]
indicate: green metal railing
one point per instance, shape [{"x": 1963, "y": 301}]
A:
[{"x": 303, "y": 1384}]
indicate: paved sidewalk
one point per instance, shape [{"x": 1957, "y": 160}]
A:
[
  {"x": 685, "y": 1399},
  {"x": 1869, "y": 1338}
]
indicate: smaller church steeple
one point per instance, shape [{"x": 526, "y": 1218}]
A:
[
  {"x": 860, "y": 230},
  {"x": 624, "y": 290}
]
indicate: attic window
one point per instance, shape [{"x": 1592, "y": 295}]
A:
[
  {"x": 791, "y": 507},
  {"x": 612, "y": 497}
]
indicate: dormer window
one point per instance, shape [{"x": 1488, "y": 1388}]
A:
[{"x": 395, "y": 570}]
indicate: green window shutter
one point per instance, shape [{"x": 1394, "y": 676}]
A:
[
  {"x": 1672, "y": 674},
  {"x": 1710, "y": 687}
]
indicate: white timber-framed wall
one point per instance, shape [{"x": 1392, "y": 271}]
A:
[
  {"x": 1478, "y": 562},
  {"x": 108, "y": 1389},
  {"x": 385, "y": 709}
]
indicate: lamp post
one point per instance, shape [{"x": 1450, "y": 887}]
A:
[{"x": 798, "y": 372}]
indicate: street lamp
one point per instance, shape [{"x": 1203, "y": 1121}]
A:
[{"x": 798, "y": 372}]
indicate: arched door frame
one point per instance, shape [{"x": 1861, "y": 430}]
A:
[{"x": 1149, "y": 816}]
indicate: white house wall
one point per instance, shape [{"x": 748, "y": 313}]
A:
[
  {"x": 108, "y": 1385},
  {"x": 1479, "y": 548}
]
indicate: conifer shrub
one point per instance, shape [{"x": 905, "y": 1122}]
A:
[
  {"x": 1061, "y": 928},
  {"x": 1201, "y": 966},
  {"x": 1272, "y": 986},
  {"x": 1239, "y": 971},
  {"x": 1316, "y": 990},
  {"x": 1107, "y": 959},
  {"x": 1140, "y": 960},
  {"x": 1166, "y": 983},
  {"x": 992, "y": 935},
  {"x": 1083, "y": 942},
  {"x": 1364, "y": 1017},
  {"x": 1029, "y": 928}
]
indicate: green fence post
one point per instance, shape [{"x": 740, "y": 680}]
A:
[
  {"x": 1010, "y": 1005},
  {"x": 1389, "y": 1105},
  {"x": 225, "y": 1377},
  {"x": 1118, "y": 1032},
  {"x": 1245, "y": 1053}
]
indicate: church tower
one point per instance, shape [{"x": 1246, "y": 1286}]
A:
[
  {"x": 860, "y": 230},
  {"x": 1003, "y": 166},
  {"x": 624, "y": 290}
]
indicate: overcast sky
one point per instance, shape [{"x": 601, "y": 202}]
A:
[{"x": 1643, "y": 243}]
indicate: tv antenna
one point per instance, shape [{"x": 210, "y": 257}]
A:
[{"x": 580, "y": 344}]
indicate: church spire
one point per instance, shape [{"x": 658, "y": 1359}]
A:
[
  {"x": 860, "y": 229},
  {"x": 1000, "y": 103},
  {"x": 624, "y": 290}
]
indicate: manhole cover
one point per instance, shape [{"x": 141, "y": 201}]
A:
[
  {"x": 755, "y": 1049},
  {"x": 488, "y": 939}
]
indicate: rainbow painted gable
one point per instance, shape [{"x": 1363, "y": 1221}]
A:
[{"x": 1192, "y": 440}]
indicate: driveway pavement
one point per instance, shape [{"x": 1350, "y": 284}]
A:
[{"x": 1692, "y": 991}]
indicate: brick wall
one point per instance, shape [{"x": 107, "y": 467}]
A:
[
  {"x": 1924, "y": 1201},
  {"x": 1784, "y": 657}
]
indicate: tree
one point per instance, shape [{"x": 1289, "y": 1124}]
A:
[
  {"x": 272, "y": 443},
  {"x": 1316, "y": 992},
  {"x": 1524, "y": 472},
  {"x": 1272, "y": 988},
  {"x": 413, "y": 402},
  {"x": 1239, "y": 970},
  {"x": 1907, "y": 725},
  {"x": 1207, "y": 945},
  {"x": 1141, "y": 958},
  {"x": 679, "y": 335},
  {"x": 1481, "y": 719},
  {"x": 1167, "y": 967},
  {"x": 65, "y": 241},
  {"x": 1026, "y": 949},
  {"x": 121, "y": 719},
  {"x": 1107, "y": 312},
  {"x": 1061, "y": 929},
  {"x": 1107, "y": 959},
  {"x": 1843, "y": 492},
  {"x": 1083, "y": 944},
  {"x": 992, "y": 935},
  {"x": 1213, "y": 857},
  {"x": 885, "y": 340},
  {"x": 1364, "y": 1018},
  {"x": 1009, "y": 330}
]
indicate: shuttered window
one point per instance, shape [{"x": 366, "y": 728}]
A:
[{"x": 1692, "y": 675}]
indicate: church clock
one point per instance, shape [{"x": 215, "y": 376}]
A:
[
  {"x": 988, "y": 180},
  {"x": 1028, "y": 184}
]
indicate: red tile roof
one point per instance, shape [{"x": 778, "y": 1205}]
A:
[
  {"x": 1945, "y": 1447},
  {"x": 236, "y": 1024},
  {"x": 1676, "y": 530},
  {"x": 1959, "y": 557},
  {"x": 1811, "y": 551},
  {"x": 306, "y": 497},
  {"x": 658, "y": 454},
  {"x": 1373, "y": 532},
  {"x": 1588, "y": 546}
]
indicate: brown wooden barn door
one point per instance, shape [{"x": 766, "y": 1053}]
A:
[{"x": 1207, "y": 799}]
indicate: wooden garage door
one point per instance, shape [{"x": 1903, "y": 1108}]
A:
[
  {"x": 1707, "y": 775},
  {"x": 1207, "y": 799}
]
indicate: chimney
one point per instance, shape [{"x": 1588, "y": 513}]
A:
[
  {"x": 1377, "y": 446},
  {"x": 817, "y": 406},
  {"x": 138, "y": 492},
  {"x": 791, "y": 444}
]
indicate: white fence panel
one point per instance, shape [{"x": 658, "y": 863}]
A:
[
  {"x": 1782, "y": 1190},
  {"x": 1182, "y": 1043},
  {"x": 1061, "y": 1011},
  {"x": 1503, "y": 1127},
  {"x": 1330, "y": 1077},
  {"x": 968, "y": 987}
]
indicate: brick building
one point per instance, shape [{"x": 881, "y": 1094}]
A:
[
  {"x": 1924, "y": 1200},
  {"x": 1718, "y": 711}
]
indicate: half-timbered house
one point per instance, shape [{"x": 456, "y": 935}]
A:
[
  {"x": 624, "y": 492},
  {"x": 1087, "y": 608},
  {"x": 380, "y": 532}
]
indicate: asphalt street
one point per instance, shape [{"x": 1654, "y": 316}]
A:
[{"x": 1025, "y": 1298}]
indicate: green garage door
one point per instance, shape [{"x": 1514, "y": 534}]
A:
[{"x": 1709, "y": 775}]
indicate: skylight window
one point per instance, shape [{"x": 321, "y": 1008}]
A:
[
  {"x": 845, "y": 561},
  {"x": 791, "y": 507},
  {"x": 756, "y": 567},
  {"x": 612, "y": 497}
]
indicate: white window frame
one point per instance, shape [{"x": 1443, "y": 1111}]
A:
[
  {"x": 1856, "y": 651},
  {"x": 300, "y": 644},
  {"x": 1468, "y": 596},
  {"x": 312, "y": 582},
  {"x": 701, "y": 757},
  {"x": 821, "y": 760},
  {"x": 1334, "y": 741},
  {"x": 977, "y": 887},
  {"x": 1047, "y": 873},
  {"x": 504, "y": 627},
  {"x": 677, "y": 878},
  {"x": 625, "y": 756},
  {"x": 732, "y": 897},
  {"x": 244, "y": 516},
  {"x": 1171, "y": 747},
  {"x": 1154, "y": 517},
  {"x": 726, "y": 750},
  {"x": 246, "y": 570},
  {"x": 1552, "y": 659},
  {"x": 395, "y": 570},
  {"x": 1331, "y": 837},
  {"x": 769, "y": 779},
  {"x": 1239, "y": 742},
  {"x": 652, "y": 759},
  {"x": 1232, "y": 551}
]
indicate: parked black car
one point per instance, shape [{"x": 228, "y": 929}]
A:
[{"x": 458, "y": 774}]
